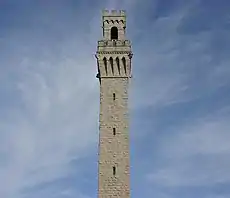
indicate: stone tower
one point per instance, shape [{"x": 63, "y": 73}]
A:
[{"x": 114, "y": 71}]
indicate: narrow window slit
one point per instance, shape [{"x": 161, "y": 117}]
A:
[
  {"x": 114, "y": 96},
  {"x": 114, "y": 131},
  {"x": 114, "y": 170}
]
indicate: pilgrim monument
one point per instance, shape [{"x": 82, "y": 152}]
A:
[{"x": 114, "y": 72}]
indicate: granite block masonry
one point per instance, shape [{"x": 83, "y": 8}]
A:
[{"x": 114, "y": 72}]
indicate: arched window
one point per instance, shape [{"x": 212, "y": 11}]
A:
[
  {"x": 118, "y": 65},
  {"x": 114, "y": 33},
  {"x": 111, "y": 64},
  {"x": 124, "y": 64},
  {"x": 105, "y": 64}
]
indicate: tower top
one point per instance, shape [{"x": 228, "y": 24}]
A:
[
  {"x": 114, "y": 49},
  {"x": 119, "y": 13},
  {"x": 114, "y": 24}
]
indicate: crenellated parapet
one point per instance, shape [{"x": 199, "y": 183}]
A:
[
  {"x": 112, "y": 13},
  {"x": 114, "y": 43}
]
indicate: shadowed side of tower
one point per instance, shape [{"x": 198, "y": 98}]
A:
[{"x": 114, "y": 71}]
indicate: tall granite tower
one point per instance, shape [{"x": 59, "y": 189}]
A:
[{"x": 114, "y": 71}]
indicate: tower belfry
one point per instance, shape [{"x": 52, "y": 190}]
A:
[{"x": 114, "y": 71}]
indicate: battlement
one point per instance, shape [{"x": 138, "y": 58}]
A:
[
  {"x": 113, "y": 13},
  {"x": 113, "y": 43}
]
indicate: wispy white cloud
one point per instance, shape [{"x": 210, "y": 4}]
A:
[
  {"x": 57, "y": 119},
  {"x": 57, "y": 124},
  {"x": 197, "y": 153},
  {"x": 51, "y": 112}
]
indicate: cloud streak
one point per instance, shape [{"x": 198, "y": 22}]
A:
[
  {"x": 197, "y": 153},
  {"x": 50, "y": 98}
]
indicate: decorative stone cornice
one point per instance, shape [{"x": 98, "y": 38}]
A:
[
  {"x": 115, "y": 76},
  {"x": 113, "y": 52}
]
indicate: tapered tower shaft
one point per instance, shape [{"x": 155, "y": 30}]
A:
[{"x": 114, "y": 72}]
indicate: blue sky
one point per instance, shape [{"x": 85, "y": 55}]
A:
[{"x": 179, "y": 97}]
